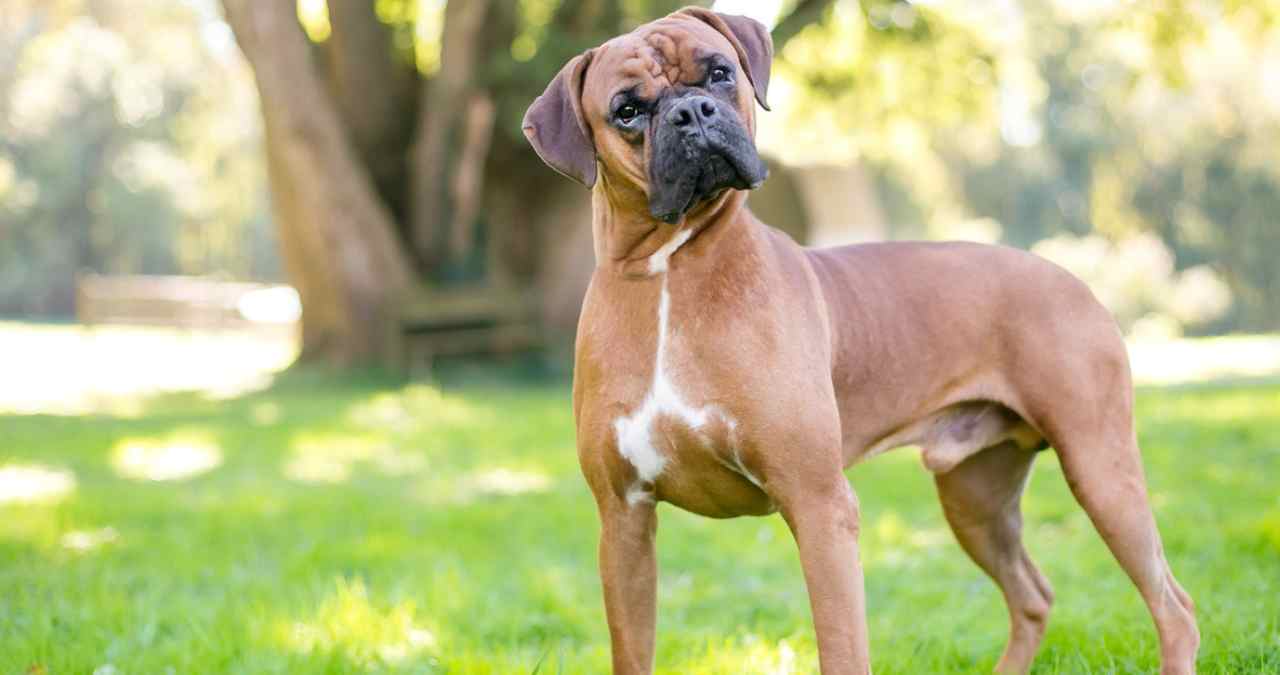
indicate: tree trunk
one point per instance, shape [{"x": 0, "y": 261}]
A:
[
  {"x": 445, "y": 127},
  {"x": 338, "y": 238},
  {"x": 376, "y": 94},
  {"x": 379, "y": 177},
  {"x": 300, "y": 246}
]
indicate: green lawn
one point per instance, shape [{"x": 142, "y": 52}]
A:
[{"x": 332, "y": 526}]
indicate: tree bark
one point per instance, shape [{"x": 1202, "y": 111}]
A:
[
  {"x": 379, "y": 177},
  {"x": 338, "y": 237},
  {"x": 376, "y": 94},
  {"x": 300, "y": 247},
  {"x": 468, "y": 175},
  {"x": 442, "y": 133}
]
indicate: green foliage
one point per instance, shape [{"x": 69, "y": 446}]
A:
[
  {"x": 543, "y": 35},
  {"x": 549, "y": 33},
  {"x": 1182, "y": 145},
  {"x": 129, "y": 139},
  {"x": 361, "y": 526},
  {"x": 1116, "y": 120},
  {"x": 127, "y": 145},
  {"x": 1225, "y": 216},
  {"x": 876, "y": 78}
]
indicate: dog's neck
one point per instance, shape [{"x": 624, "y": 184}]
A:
[{"x": 631, "y": 242}]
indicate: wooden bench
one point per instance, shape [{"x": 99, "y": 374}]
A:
[
  {"x": 463, "y": 321},
  {"x": 183, "y": 302}
]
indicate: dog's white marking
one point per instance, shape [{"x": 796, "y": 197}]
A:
[
  {"x": 636, "y": 432},
  {"x": 637, "y": 494},
  {"x": 661, "y": 259},
  {"x": 742, "y": 469}
]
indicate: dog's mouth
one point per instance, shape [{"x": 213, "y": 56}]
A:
[
  {"x": 686, "y": 173},
  {"x": 702, "y": 183}
]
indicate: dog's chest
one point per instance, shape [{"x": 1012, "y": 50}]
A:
[{"x": 681, "y": 436}]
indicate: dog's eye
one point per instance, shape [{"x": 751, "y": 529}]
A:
[
  {"x": 719, "y": 74},
  {"x": 627, "y": 113}
]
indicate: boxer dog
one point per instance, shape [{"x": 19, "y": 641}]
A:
[{"x": 724, "y": 369}]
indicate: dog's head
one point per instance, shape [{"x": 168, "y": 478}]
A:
[{"x": 667, "y": 111}]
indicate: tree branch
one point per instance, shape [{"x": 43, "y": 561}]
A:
[{"x": 805, "y": 13}]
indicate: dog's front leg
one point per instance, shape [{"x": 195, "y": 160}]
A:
[
  {"x": 629, "y": 573},
  {"x": 824, "y": 520}
]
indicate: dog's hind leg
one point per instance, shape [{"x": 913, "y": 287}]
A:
[
  {"x": 1104, "y": 471},
  {"x": 1073, "y": 384},
  {"x": 981, "y": 499}
]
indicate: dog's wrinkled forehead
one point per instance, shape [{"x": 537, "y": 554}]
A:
[
  {"x": 654, "y": 58},
  {"x": 567, "y": 124}
]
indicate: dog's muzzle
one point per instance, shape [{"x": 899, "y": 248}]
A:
[{"x": 700, "y": 148}]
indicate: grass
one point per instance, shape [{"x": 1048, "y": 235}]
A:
[{"x": 330, "y": 525}]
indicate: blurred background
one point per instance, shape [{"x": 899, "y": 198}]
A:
[
  {"x": 368, "y": 155},
  {"x": 196, "y": 194}
]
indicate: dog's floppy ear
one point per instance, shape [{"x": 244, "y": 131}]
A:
[
  {"x": 752, "y": 42},
  {"x": 557, "y": 128}
]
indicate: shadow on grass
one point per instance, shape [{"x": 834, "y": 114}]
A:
[{"x": 457, "y": 536}]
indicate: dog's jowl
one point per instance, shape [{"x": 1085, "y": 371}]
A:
[{"x": 724, "y": 369}]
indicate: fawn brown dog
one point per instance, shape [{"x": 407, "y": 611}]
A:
[{"x": 726, "y": 370}]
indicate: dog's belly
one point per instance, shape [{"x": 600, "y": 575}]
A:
[{"x": 952, "y": 434}]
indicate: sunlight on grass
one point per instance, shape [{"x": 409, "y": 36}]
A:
[
  {"x": 352, "y": 525},
  {"x": 34, "y": 483},
  {"x": 77, "y": 370},
  {"x": 893, "y": 540},
  {"x": 112, "y": 370},
  {"x": 752, "y": 656},
  {"x": 1199, "y": 359},
  {"x": 508, "y": 482},
  {"x": 418, "y": 406},
  {"x": 179, "y": 456},
  {"x": 1226, "y": 408},
  {"x": 265, "y": 413},
  {"x": 1268, "y": 528},
  {"x": 348, "y": 623},
  {"x": 487, "y": 483},
  {"x": 331, "y": 458},
  {"x": 83, "y": 541}
]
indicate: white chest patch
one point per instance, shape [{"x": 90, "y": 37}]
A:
[
  {"x": 661, "y": 258},
  {"x": 637, "y": 433}
]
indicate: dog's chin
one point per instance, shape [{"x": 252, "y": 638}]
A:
[{"x": 697, "y": 184}]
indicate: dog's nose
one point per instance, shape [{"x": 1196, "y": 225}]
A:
[{"x": 690, "y": 109}]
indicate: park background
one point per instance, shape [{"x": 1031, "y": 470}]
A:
[{"x": 234, "y": 436}]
